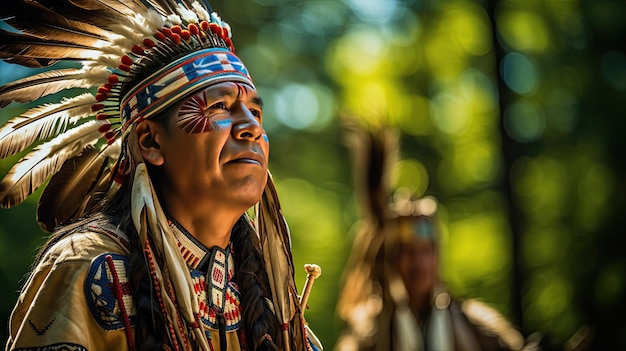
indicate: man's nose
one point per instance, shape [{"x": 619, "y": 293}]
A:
[{"x": 246, "y": 125}]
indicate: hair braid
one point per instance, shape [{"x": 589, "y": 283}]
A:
[
  {"x": 150, "y": 326},
  {"x": 257, "y": 318}
]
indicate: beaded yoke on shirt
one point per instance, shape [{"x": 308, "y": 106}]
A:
[{"x": 212, "y": 271}]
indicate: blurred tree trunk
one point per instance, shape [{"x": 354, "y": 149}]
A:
[{"x": 511, "y": 150}]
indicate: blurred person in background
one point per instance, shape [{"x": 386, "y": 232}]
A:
[
  {"x": 151, "y": 177},
  {"x": 393, "y": 297}
]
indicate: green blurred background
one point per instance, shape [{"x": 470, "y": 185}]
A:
[{"x": 511, "y": 113}]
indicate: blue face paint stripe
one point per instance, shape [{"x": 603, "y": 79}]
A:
[
  {"x": 267, "y": 140},
  {"x": 224, "y": 123}
]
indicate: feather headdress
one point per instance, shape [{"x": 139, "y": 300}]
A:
[
  {"x": 363, "y": 302},
  {"x": 112, "y": 42},
  {"x": 132, "y": 59}
]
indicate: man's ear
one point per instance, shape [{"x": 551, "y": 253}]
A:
[{"x": 147, "y": 137}]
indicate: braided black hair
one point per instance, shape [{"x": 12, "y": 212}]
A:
[{"x": 257, "y": 317}]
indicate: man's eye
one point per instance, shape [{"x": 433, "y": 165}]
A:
[
  {"x": 219, "y": 105},
  {"x": 256, "y": 113}
]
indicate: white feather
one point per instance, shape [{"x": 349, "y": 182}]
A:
[
  {"x": 108, "y": 60},
  {"x": 230, "y": 32},
  {"x": 20, "y": 132},
  {"x": 201, "y": 11},
  {"x": 125, "y": 37},
  {"x": 114, "y": 50},
  {"x": 215, "y": 17},
  {"x": 141, "y": 196},
  {"x": 44, "y": 161},
  {"x": 147, "y": 23},
  {"x": 154, "y": 20},
  {"x": 173, "y": 20},
  {"x": 100, "y": 43},
  {"x": 186, "y": 14},
  {"x": 95, "y": 76}
]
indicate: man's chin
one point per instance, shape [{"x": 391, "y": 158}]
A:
[{"x": 247, "y": 200}]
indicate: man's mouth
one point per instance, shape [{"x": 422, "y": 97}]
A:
[
  {"x": 248, "y": 157},
  {"x": 246, "y": 160}
]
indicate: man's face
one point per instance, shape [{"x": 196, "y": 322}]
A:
[
  {"x": 417, "y": 264},
  {"x": 215, "y": 150}
]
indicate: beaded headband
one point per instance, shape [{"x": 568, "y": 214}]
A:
[
  {"x": 414, "y": 220},
  {"x": 181, "y": 77}
]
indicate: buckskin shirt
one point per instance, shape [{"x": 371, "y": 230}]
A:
[{"x": 78, "y": 296}]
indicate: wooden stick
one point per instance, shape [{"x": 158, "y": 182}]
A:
[
  {"x": 286, "y": 340},
  {"x": 313, "y": 272}
]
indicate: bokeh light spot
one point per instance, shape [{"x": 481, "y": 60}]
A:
[
  {"x": 375, "y": 10},
  {"x": 524, "y": 123},
  {"x": 300, "y": 106},
  {"x": 549, "y": 295},
  {"x": 561, "y": 110},
  {"x": 470, "y": 28},
  {"x": 449, "y": 113},
  {"x": 524, "y": 31},
  {"x": 412, "y": 175},
  {"x": 519, "y": 73}
]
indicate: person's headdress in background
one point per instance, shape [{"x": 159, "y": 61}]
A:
[
  {"x": 412, "y": 219},
  {"x": 363, "y": 302},
  {"x": 132, "y": 59},
  {"x": 373, "y": 295}
]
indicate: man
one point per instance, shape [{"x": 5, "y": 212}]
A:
[
  {"x": 151, "y": 178},
  {"x": 393, "y": 299}
]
